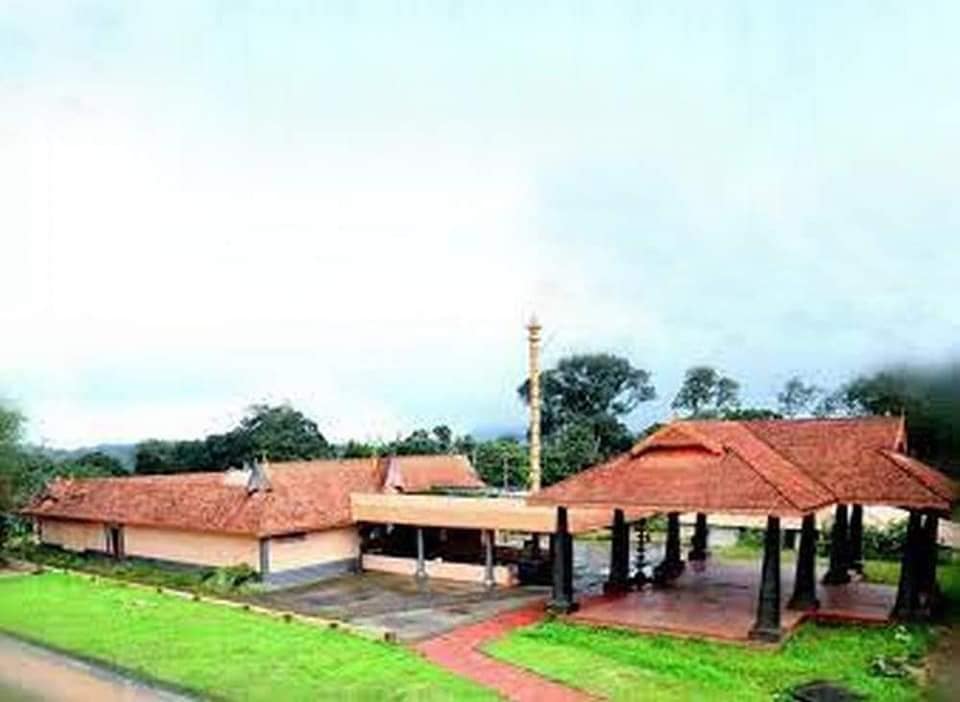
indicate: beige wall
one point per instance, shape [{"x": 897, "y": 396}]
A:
[
  {"x": 196, "y": 547},
  {"x": 73, "y": 536},
  {"x": 503, "y": 575},
  {"x": 315, "y": 548}
]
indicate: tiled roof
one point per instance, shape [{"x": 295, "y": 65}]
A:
[
  {"x": 302, "y": 496},
  {"x": 770, "y": 466}
]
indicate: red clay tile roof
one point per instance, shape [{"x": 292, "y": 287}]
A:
[
  {"x": 424, "y": 473},
  {"x": 771, "y": 466},
  {"x": 303, "y": 496}
]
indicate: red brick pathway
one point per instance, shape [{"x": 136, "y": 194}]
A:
[{"x": 458, "y": 651}]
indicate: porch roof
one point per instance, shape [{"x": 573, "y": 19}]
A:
[
  {"x": 510, "y": 514},
  {"x": 784, "y": 467}
]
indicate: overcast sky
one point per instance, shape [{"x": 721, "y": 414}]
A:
[{"x": 207, "y": 204}]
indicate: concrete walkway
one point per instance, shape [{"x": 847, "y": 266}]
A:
[
  {"x": 31, "y": 673},
  {"x": 458, "y": 651}
]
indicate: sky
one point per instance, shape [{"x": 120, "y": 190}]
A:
[{"x": 354, "y": 207}]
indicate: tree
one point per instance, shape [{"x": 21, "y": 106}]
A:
[
  {"x": 797, "y": 397},
  {"x": 279, "y": 433},
  {"x": 706, "y": 393},
  {"x": 929, "y": 398},
  {"x": 502, "y": 463},
  {"x": 750, "y": 413},
  {"x": 594, "y": 391},
  {"x": 357, "y": 449},
  {"x": 101, "y": 463},
  {"x": 282, "y": 433},
  {"x": 11, "y": 427},
  {"x": 574, "y": 448}
]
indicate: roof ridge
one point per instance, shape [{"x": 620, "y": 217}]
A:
[{"x": 799, "y": 468}]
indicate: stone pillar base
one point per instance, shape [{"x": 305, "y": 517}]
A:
[
  {"x": 836, "y": 577},
  {"x": 766, "y": 635},
  {"x": 562, "y": 607}
]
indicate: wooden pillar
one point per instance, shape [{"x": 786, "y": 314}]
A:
[
  {"x": 672, "y": 564},
  {"x": 698, "y": 550},
  {"x": 421, "y": 556},
  {"x": 561, "y": 599},
  {"x": 640, "y": 578},
  {"x": 488, "y": 544},
  {"x": 619, "y": 580},
  {"x": 264, "y": 557},
  {"x": 805, "y": 583},
  {"x": 856, "y": 539},
  {"x": 907, "y": 606},
  {"x": 930, "y": 599},
  {"x": 838, "y": 572},
  {"x": 767, "y": 626}
]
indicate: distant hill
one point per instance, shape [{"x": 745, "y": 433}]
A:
[{"x": 125, "y": 453}]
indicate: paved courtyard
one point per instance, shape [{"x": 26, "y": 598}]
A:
[
  {"x": 418, "y": 611},
  {"x": 413, "y": 611}
]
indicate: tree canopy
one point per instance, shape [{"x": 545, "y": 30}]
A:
[
  {"x": 706, "y": 393},
  {"x": 929, "y": 398},
  {"x": 797, "y": 398},
  {"x": 583, "y": 401},
  {"x": 278, "y": 433}
]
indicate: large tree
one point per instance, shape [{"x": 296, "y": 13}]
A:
[
  {"x": 278, "y": 433},
  {"x": 706, "y": 393},
  {"x": 929, "y": 398},
  {"x": 584, "y": 400},
  {"x": 282, "y": 433},
  {"x": 797, "y": 398}
]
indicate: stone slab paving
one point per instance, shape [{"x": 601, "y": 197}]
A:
[
  {"x": 720, "y": 602},
  {"x": 459, "y": 651}
]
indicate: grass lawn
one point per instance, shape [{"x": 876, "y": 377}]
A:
[
  {"x": 215, "y": 651},
  {"x": 626, "y": 666}
]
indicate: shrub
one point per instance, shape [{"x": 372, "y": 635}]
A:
[{"x": 231, "y": 577}]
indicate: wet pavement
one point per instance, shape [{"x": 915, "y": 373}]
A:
[
  {"x": 412, "y": 610},
  {"x": 32, "y": 674},
  {"x": 415, "y": 611}
]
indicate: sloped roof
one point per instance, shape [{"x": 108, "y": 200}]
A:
[
  {"x": 301, "y": 495},
  {"x": 769, "y": 466}
]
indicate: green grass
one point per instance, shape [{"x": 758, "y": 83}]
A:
[
  {"x": 628, "y": 666},
  {"x": 212, "y": 650},
  {"x": 232, "y": 580}
]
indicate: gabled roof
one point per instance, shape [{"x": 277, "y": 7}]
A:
[
  {"x": 770, "y": 466},
  {"x": 302, "y": 495}
]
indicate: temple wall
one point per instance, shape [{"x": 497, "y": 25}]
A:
[
  {"x": 314, "y": 548},
  {"x": 73, "y": 535},
  {"x": 193, "y": 547},
  {"x": 503, "y": 575}
]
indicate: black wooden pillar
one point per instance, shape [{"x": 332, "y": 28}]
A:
[
  {"x": 856, "y": 539},
  {"x": 907, "y": 606},
  {"x": 698, "y": 550},
  {"x": 561, "y": 599},
  {"x": 767, "y": 626},
  {"x": 838, "y": 573},
  {"x": 619, "y": 580},
  {"x": 930, "y": 597},
  {"x": 672, "y": 564},
  {"x": 805, "y": 582}
]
